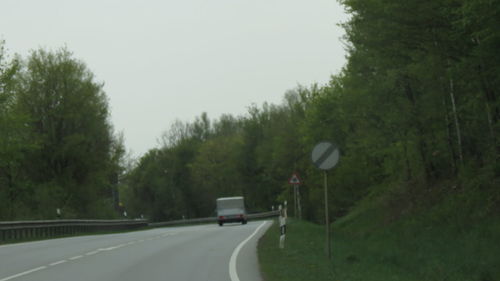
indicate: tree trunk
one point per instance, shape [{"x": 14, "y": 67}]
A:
[
  {"x": 455, "y": 118},
  {"x": 449, "y": 138},
  {"x": 493, "y": 114},
  {"x": 407, "y": 162},
  {"x": 422, "y": 146}
]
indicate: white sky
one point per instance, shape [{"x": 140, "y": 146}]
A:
[{"x": 166, "y": 60}]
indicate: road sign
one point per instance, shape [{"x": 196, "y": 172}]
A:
[
  {"x": 294, "y": 179},
  {"x": 325, "y": 155}
]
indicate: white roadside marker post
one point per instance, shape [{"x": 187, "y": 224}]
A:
[{"x": 282, "y": 221}]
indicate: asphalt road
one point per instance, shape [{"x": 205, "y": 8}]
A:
[{"x": 195, "y": 253}]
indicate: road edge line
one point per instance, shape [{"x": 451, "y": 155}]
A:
[{"x": 233, "y": 274}]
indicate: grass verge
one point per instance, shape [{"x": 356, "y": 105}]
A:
[
  {"x": 303, "y": 257},
  {"x": 449, "y": 241}
]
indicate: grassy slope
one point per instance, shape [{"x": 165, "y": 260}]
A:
[
  {"x": 396, "y": 234},
  {"x": 302, "y": 258}
]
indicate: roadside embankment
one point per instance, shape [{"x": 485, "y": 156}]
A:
[{"x": 382, "y": 239}]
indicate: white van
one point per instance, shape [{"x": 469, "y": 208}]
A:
[{"x": 231, "y": 209}]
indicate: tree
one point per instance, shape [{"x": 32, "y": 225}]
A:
[
  {"x": 68, "y": 113},
  {"x": 15, "y": 143},
  {"x": 215, "y": 171}
]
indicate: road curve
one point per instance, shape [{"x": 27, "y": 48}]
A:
[{"x": 194, "y": 253}]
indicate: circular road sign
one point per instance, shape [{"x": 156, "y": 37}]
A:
[{"x": 325, "y": 155}]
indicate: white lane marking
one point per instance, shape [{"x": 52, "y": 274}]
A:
[
  {"x": 78, "y": 257},
  {"x": 108, "y": 249},
  {"x": 58, "y": 262},
  {"x": 75, "y": 258},
  {"x": 23, "y": 273},
  {"x": 168, "y": 234},
  {"x": 232, "y": 262},
  {"x": 56, "y": 240},
  {"x": 92, "y": 253}
]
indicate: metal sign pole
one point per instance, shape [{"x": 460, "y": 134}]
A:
[
  {"x": 298, "y": 202},
  {"x": 325, "y": 156},
  {"x": 295, "y": 182},
  {"x": 295, "y": 200},
  {"x": 327, "y": 220}
]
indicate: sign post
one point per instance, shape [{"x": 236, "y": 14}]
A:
[
  {"x": 327, "y": 217},
  {"x": 299, "y": 206},
  {"x": 325, "y": 156},
  {"x": 295, "y": 182}
]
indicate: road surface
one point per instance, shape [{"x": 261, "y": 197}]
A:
[{"x": 194, "y": 253}]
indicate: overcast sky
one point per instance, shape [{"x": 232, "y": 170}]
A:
[{"x": 166, "y": 60}]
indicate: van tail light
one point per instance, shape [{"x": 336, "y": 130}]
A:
[{"x": 221, "y": 217}]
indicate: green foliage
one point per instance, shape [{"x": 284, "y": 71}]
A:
[
  {"x": 215, "y": 171},
  {"x": 57, "y": 148},
  {"x": 415, "y": 108},
  {"x": 303, "y": 257},
  {"x": 15, "y": 142},
  {"x": 417, "y": 103},
  {"x": 362, "y": 249}
]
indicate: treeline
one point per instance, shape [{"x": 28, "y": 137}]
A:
[
  {"x": 416, "y": 106},
  {"x": 57, "y": 146}
]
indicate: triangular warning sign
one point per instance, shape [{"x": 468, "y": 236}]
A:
[{"x": 294, "y": 179}]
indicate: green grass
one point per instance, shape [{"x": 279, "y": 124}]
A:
[
  {"x": 456, "y": 239},
  {"x": 303, "y": 258}
]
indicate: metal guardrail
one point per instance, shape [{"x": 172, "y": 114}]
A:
[
  {"x": 263, "y": 215},
  {"x": 19, "y": 230},
  {"x": 213, "y": 219}
]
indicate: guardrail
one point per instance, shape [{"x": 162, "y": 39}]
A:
[
  {"x": 19, "y": 230},
  {"x": 213, "y": 219},
  {"x": 263, "y": 215}
]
